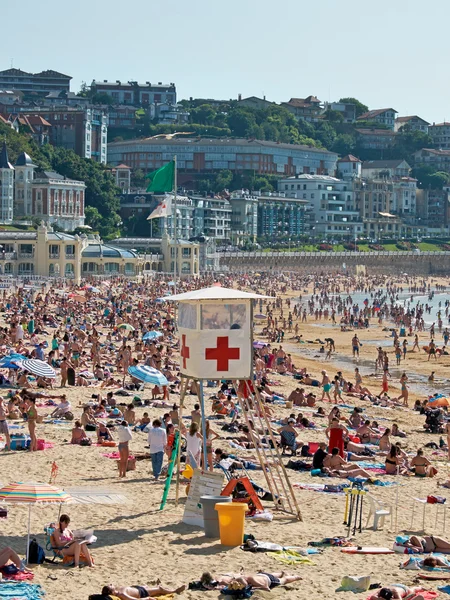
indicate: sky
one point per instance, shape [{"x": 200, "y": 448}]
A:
[{"x": 388, "y": 54}]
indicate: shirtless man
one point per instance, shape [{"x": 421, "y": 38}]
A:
[
  {"x": 4, "y": 430},
  {"x": 131, "y": 592},
  {"x": 297, "y": 397}
]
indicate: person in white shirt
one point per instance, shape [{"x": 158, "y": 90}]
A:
[
  {"x": 62, "y": 408},
  {"x": 124, "y": 434},
  {"x": 157, "y": 439}
]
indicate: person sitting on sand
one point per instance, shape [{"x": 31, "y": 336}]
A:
[
  {"x": 103, "y": 434},
  {"x": 336, "y": 465},
  {"x": 259, "y": 581},
  {"x": 366, "y": 434},
  {"x": 395, "y": 463},
  {"x": 78, "y": 434},
  {"x": 397, "y": 591},
  {"x": 396, "y": 431},
  {"x": 8, "y": 556},
  {"x": 422, "y": 466},
  {"x": 139, "y": 591}
]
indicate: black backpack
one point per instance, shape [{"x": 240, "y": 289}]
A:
[{"x": 36, "y": 554}]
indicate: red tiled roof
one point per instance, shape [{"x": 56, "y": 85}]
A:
[
  {"x": 374, "y": 113},
  {"x": 349, "y": 158},
  {"x": 444, "y": 124},
  {"x": 38, "y": 120},
  {"x": 406, "y": 119},
  {"x": 303, "y": 102},
  {"x": 122, "y": 166}
]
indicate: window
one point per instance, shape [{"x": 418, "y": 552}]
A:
[{"x": 222, "y": 316}]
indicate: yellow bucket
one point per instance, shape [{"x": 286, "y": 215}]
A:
[
  {"x": 188, "y": 472},
  {"x": 231, "y": 522}
]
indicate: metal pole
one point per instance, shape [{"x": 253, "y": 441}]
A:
[
  {"x": 202, "y": 406},
  {"x": 29, "y": 527},
  {"x": 174, "y": 221}
]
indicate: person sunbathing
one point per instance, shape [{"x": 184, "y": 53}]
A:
[
  {"x": 259, "y": 581},
  {"x": 78, "y": 434},
  {"x": 427, "y": 543},
  {"x": 397, "y": 591},
  {"x": 139, "y": 591}
]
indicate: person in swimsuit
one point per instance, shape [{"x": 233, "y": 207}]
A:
[
  {"x": 103, "y": 434},
  {"x": 428, "y": 543},
  {"x": 397, "y": 591},
  {"x": 67, "y": 545},
  {"x": 326, "y": 386},
  {"x": 32, "y": 416},
  {"x": 422, "y": 466},
  {"x": 78, "y": 434},
  {"x": 131, "y": 592},
  {"x": 4, "y": 429},
  {"x": 394, "y": 462},
  {"x": 259, "y": 581}
]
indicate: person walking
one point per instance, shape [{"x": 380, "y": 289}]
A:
[
  {"x": 124, "y": 434},
  {"x": 157, "y": 439}
]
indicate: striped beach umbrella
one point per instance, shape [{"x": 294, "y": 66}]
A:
[
  {"x": 38, "y": 367},
  {"x": 147, "y": 375},
  {"x": 32, "y": 493}
]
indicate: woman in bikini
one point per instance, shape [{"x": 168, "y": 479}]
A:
[
  {"x": 428, "y": 543},
  {"x": 130, "y": 592},
  {"x": 405, "y": 393},
  {"x": 422, "y": 466},
  {"x": 32, "y": 416},
  {"x": 259, "y": 581},
  {"x": 66, "y": 545},
  {"x": 394, "y": 463}
]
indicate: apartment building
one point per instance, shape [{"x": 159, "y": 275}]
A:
[
  {"x": 439, "y": 160},
  {"x": 140, "y": 94},
  {"x": 330, "y": 201},
  {"x": 306, "y": 109},
  {"x": 413, "y": 122},
  {"x": 280, "y": 216},
  {"x": 380, "y": 116},
  {"x": 440, "y": 134},
  {"x": 373, "y": 169},
  {"x": 375, "y": 139},
  {"x": 40, "y": 84},
  {"x": 244, "y": 216}
]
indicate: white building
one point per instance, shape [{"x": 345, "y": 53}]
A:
[
  {"x": 413, "y": 122},
  {"x": 404, "y": 197},
  {"x": 374, "y": 169},
  {"x": 331, "y": 202},
  {"x": 6, "y": 187},
  {"x": 349, "y": 167},
  {"x": 244, "y": 216}
]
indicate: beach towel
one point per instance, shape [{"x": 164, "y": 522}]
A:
[
  {"x": 18, "y": 577},
  {"x": 21, "y": 591},
  {"x": 426, "y": 595},
  {"x": 291, "y": 557},
  {"x": 445, "y": 589}
]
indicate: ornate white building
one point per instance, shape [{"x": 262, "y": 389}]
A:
[{"x": 27, "y": 192}]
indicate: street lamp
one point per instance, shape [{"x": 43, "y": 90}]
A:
[{"x": 289, "y": 244}]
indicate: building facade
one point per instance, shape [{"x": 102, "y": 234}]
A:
[
  {"x": 413, "y": 122},
  {"x": 280, "y": 216},
  {"x": 306, "y": 109},
  {"x": 375, "y": 139},
  {"x": 440, "y": 134},
  {"x": 439, "y": 160},
  {"x": 244, "y": 216},
  {"x": 26, "y": 192},
  {"x": 140, "y": 94},
  {"x": 330, "y": 203},
  {"x": 198, "y": 156},
  {"x": 381, "y": 116},
  {"x": 374, "y": 169},
  {"x": 34, "y": 83}
]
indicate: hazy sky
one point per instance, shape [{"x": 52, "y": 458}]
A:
[{"x": 389, "y": 53}]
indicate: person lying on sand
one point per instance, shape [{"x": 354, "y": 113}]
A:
[
  {"x": 397, "y": 591},
  {"x": 259, "y": 581},
  {"x": 139, "y": 591},
  {"x": 336, "y": 465},
  {"x": 428, "y": 543}
]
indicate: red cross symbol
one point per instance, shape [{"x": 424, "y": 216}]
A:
[
  {"x": 223, "y": 354},
  {"x": 184, "y": 350}
]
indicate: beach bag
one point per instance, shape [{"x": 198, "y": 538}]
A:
[
  {"x": 41, "y": 444},
  {"x": 436, "y": 500},
  {"x": 9, "y": 570},
  {"x": 36, "y": 554}
]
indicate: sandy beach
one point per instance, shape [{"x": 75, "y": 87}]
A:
[{"x": 139, "y": 544}]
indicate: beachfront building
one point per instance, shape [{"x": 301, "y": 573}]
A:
[
  {"x": 6, "y": 187},
  {"x": 138, "y": 94},
  {"x": 439, "y": 160},
  {"x": 244, "y": 216},
  {"x": 281, "y": 217},
  {"x": 197, "y": 157},
  {"x": 47, "y": 253},
  {"x": 388, "y": 169},
  {"x": 330, "y": 202}
]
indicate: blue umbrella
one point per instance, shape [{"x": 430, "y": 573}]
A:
[
  {"x": 147, "y": 375},
  {"x": 151, "y": 335},
  {"x": 6, "y": 363}
]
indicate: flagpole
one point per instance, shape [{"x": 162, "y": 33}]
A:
[{"x": 175, "y": 222}]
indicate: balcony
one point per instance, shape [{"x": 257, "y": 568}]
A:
[
  {"x": 54, "y": 255},
  {"x": 8, "y": 255},
  {"x": 70, "y": 256},
  {"x": 28, "y": 255}
]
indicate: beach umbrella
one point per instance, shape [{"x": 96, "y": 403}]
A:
[
  {"x": 171, "y": 283},
  {"x": 126, "y": 326},
  {"x": 151, "y": 335},
  {"x": 147, "y": 375},
  {"x": 32, "y": 493},
  {"x": 7, "y": 363},
  {"x": 260, "y": 316},
  {"x": 258, "y": 344},
  {"x": 38, "y": 367}
]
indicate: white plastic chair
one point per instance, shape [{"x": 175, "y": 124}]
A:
[{"x": 378, "y": 511}]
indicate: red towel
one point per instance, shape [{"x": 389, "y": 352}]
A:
[{"x": 19, "y": 577}]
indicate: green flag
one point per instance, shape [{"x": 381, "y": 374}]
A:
[{"x": 162, "y": 179}]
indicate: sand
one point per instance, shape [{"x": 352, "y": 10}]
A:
[{"x": 138, "y": 544}]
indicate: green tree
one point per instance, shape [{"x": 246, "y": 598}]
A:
[
  {"x": 223, "y": 180},
  {"x": 240, "y": 121},
  {"x": 360, "y": 107},
  {"x": 428, "y": 178},
  {"x": 334, "y": 116},
  {"x": 93, "y": 217},
  {"x": 344, "y": 144},
  {"x": 205, "y": 114},
  {"x": 325, "y": 134},
  {"x": 409, "y": 141},
  {"x": 262, "y": 184}
]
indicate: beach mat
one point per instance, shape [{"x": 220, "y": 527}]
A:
[
  {"x": 426, "y": 595},
  {"x": 21, "y": 591}
]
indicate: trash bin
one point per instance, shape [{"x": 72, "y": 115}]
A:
[
  {"x": 210, "y": 516},
  {"x": 231, "y": 522}
]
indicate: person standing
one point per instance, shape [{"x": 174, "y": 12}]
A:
[
  {"x": 355, "y": 346},
  {"x": 4, "y": 430},
  {"x": 335, "y": 434},
  {"x": 124, "y": 434},
  {"x": 157, "y": 439}
]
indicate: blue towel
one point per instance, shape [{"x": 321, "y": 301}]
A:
[
  {"x": 21, "y": 590},
  {"x": 445, "y": 589}
]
